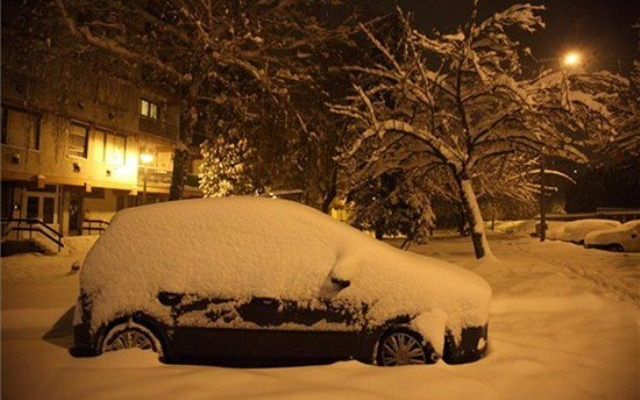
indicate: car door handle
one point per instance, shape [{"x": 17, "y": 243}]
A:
[
  {"x": 169, "y": 299},
  {"x": 264, "y": 301}
]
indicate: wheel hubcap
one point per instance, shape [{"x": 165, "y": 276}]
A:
[
  {"x": 402, "y": 349},
  {"x": 130, "y": 339}
]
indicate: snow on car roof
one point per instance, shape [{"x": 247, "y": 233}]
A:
[
  {"x": 576, "y": 230},
  {"x": 247, "y": 246}
]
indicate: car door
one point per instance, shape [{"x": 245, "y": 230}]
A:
[
  {"x": 204, "y": 329},
  {"x": 303, "y": 330},
  {"x": 262, "y": 329}
]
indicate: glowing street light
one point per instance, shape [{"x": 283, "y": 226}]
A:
[
  {"x": 571, "y": 59},
  {"x": 146, "y": 159}
]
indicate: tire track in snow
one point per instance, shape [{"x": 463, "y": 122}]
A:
[{"x": 604, "y": 280}]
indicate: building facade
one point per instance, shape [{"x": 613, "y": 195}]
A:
[{"x": 72, "y": 140}]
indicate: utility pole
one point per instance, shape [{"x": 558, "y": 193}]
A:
[
  {"x": 144, "y": 187},
  {"x": 543, "y": 214}
]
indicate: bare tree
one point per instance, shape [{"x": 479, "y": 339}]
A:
[
  {"x": 211, "y": 54},
  {"x": 462, "y": 100}
]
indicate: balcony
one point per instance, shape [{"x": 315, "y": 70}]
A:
[
  {"x": 160, "y": 178},
  {"x": 159, "y": 128}
]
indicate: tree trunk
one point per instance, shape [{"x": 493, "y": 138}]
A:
[
  {"x": 331, "y": 191},
  {"x": 179, "y": 173},
  {"x": 462, "y": 220},
  {"x": 188, "y": 119},
  {"x": 473, "y": 215}
]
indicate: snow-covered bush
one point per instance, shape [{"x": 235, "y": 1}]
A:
[
  {"x": 392, "y": 205},
  {"x": 225, "y": 170}
]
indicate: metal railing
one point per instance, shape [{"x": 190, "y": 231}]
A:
[
  {"x": 622, "y": 215},
  {"x": 161, "y": 178},
  {"x": 90, "y": 225},
  {"x": 31, "y": 225}
]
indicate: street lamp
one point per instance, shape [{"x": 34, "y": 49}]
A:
[
  {"x": 146, "y": 159},
  {"x": 571, "y": 59}
]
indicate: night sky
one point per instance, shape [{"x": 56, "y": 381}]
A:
[{"x": 601, "y": 29}]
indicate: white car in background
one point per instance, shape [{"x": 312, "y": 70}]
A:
[
  {"x": 625, "y": 237},
  {"x": 575, "y": 231},
  {"x": 555, "y": 229}
]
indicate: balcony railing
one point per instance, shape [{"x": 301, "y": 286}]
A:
[
  {"x": 157, "y": 177},
  {"x": 31, "y": 225},
  {"x": 160, "y": 128}
]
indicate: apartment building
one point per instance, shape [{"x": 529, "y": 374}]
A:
[{"x": 79, "y": 144}]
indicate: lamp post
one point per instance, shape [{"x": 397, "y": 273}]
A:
[
  {"x": 570, "y": 61},
  {"x": 145, "y": 159},
  {"x": 543, "y": 212}
]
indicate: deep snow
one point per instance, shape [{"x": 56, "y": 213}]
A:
[{"x": 564, "y": 325}]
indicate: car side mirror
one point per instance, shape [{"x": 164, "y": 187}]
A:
[
  {"x": 340, "y": 282},
  {"x": 169, "y": 299}
]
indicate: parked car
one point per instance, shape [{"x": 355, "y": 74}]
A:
[
  {"x": 575, "y": 231},
  {"x": 555, "y": 229},
  {"x": 256, "y": 281},
  {"x": 625, "y": 237}
]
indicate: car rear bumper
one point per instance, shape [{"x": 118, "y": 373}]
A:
[
  {"x": 82, "y": 342},
  {"x": 472, "y": 346}
]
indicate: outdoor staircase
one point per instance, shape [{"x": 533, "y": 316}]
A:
[{"x": 29, "y": 235}]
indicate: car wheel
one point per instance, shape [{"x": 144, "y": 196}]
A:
[
  {"x": 404, "y": 347},
  {"x": 616, "y": 247},
  {"x": 131, "y": 335}
]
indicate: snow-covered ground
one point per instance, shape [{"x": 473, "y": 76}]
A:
[{"x": 564, "y": 325}]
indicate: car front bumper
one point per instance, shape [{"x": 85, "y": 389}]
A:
[
  {"x": 472, "y": 346},
  {"x": 82, "y": 342}
]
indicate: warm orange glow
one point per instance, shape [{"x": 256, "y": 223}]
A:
[
  {"x": 571, "y": 59},
  {"x": 146, "y": 158}
]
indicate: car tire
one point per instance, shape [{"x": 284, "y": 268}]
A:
[
  {"x": 616, "y": 247},
  {"x": 404, "y": 347},
  {"x": 130, "y": 335}
]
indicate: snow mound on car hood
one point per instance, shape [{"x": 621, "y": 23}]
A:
[
  {"x": 246, "y": 246},
  {"x": 575, "y": 231}
]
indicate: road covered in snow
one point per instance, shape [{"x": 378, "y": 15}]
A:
[{"x": 564, "y": 325}]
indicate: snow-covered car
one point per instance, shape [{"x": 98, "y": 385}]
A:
[
  {"x": 625, "y": 237},
  {"x": 555, "y": 229},
  {"x": 575, "y": 231},
  {"x": 259, "y": 281}
]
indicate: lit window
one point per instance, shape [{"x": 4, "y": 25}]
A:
[
  {"x": 97, "y": 145},
  {"x": 115, "y": 147},
  {"x": 144, "y": 107},
  {"x": 20, "y": 128},
  {"x": 78, "y": 135},
  {"x": 149, "y": 109}
]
